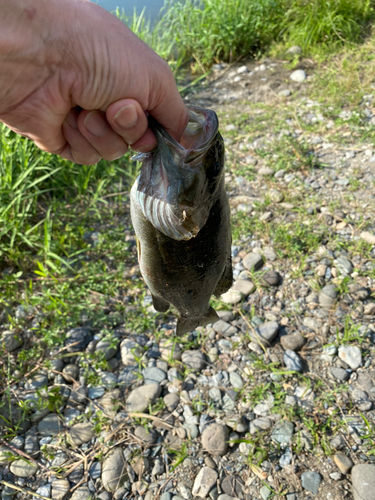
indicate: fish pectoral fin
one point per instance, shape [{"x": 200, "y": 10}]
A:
[
  {"x": 185, "y": 325},
  {"x": 160, "y": 304}
]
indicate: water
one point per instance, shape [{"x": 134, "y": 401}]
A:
[{"x": 152, "y": 6}]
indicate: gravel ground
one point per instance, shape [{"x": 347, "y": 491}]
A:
[{"x": 276, "y": 399}]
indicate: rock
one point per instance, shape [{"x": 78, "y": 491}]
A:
[
  {"x": 265, "y": 171},
  {"x": 204, "y": 481},
  {"x": 31, "y": 442},
  {"x": 82, "y": 433},
  {"x": 260, "y": 424},
  {"x": 114, "y": 473},
  {"x": 245, "y": 287},
  {"x": 242, "y": 69},
  {"x": 36, "y": 382},
  {"x": 293, "y": 342},
  {"x": 285, "y": 93},
  {"x": 276, "y": 195},
  {"x": 77, "y": 339},
  {"x": 170, "y": 349},
  {"x": 369, "y": 309},
  {"x": 293, "y": 361},
  {"x": 108, "y": 347},
  {"x": 95, "y": 392},
  {"x": 311, "y": 481},
  {"x": 368, "y": 237},
  {"x": 44, "y": 491},
  {"x": 166, "y": 496},
  {"x": 363, "y": 481},
  {"x": 265, "y": 492},
  {"x": 312, "y": 323},
  {"x": 226, "y": 497},
  {"x": 70, "y": 372},
  {"x": 298, "y": 76},
  {"x": 60, "y": 488},
  {"x": 153, "y": 375},
  {"x": 344, "y": 463},
  {"x": 282, "y": 432},
  {"x": 194, "y": 360},
  {"x": 224, "y": 328},
  {"x": 271, "y": 278},
  {"x": 95, "y": 470},
  {"x": 237, "y": 423},
  {"x": 351, "y": 355},
  {"x": 21, "y": 468},
  {"x": 250, "y": 160},
  {"x": 265, "y": 333},
  {"x": 128, "y": 376},
  {"x": 147, "y": 436},
  {"x": 327, "y": 296},
  {"x": 214, "y": 439},
  {"x": 232, "y": 485},
  {"x": 171, "y": 401},
  {"x": 139, "y": 399},
  {"x": 11, "y": 340},
  {"x": 109, "y": 403},
  {"x": 129, "y": 350},
  {"x": 236, "y": 380},
  {"x": 339, "y": 373},
  {"x": 338, "y": 442},
  {"x": 50, "y": 425},
  {"x": 81, "y": 493},
  {"x": 295, "y": 50},
  {"x": 253, "y": 261},
  {"x": 231, "y": 296},
  {"x": 344, "y": 266}
]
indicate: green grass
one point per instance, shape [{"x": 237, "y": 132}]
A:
[{"x": 207, "y": 31}]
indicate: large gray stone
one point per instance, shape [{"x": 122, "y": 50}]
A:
[
  {"x": 253, "y": 261},
  {"x": 205, "y": 480},
  {"x": 139, "y": 399},
  {"x": 264, "y": 334},
  {"x": 194, "y": 360},
  {"x": 114, "y": 472},
  {"x": 60, "y": 489},
  {"x": 77, "y": 339},
  {"x": 130, "y": 350},
  {"x": 363, "y": 481},
  {"x": 283, "y": 432},
  {"x": 23, "y": 468},
  {"x": 50, "y": 425},
  {"x": 214, "y": 439},
  {"x": 11, "y": 340},
  {"x": 311, "y": 481},
  {"x": 82, "y": 433},
  {"x": 351, "y": 355},
  {"x": 298, "y": 76},
  {"x": 81, "y": 493}
]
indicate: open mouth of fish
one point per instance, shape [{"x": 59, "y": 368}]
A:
[{"x": 171, "y": 187}]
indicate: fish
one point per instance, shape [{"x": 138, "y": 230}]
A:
[{"x": 181, "y": 217}]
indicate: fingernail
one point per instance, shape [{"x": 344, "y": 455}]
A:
[
  {"x": 71, "y": 120},
  {"x": 127, "y": 117},
  {"x": 96, "y": 124}
]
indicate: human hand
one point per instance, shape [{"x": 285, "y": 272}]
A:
[{"x": 78, "y": 82}]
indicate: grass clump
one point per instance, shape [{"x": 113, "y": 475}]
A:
[{"x": 207, "y": 31}]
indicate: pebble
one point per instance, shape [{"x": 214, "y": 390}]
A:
[
  {"x": 363, "y": 481},
  {"x": 351, "y": 355},
  {"x": 298, "y": 76},
  {"x": 245, "y": 287},
  {"x": 77, "y": 339},
  {"x": 44, "y": 491},
  {"x": 50, "y": 425},
  {"x": 21, "y": 468},
  {"x": 139, "y": 399},
  {"x": 339, "y": 373},
  {"x": 171, "y": 401},
  {"x": 194, "y": 360},
  {"x": 170, "y": 349},
  {"x": 95, "y": 470},
  {"x": 293, "y": 342},
  {"x": 231, "y": 297},
  {"x": 265, "y": 333},
  {"x": 129, "y": 350},
  {"x": 253, "y": 261},
  {"x": 265, "y": 492},
  {"x": 311, "y": 481},
  {"x": 343, "y": 462},
  {"x": 60, "y": 487},
  {"x": 11, "y": 340},
  {"x": 344, "y": 266},
  {"x": 368, "y": 237},
  {"x": 114, "y": 473},
  {"x": 36, "y": 382},
  {"x": 81, "y": 433},
  {"x": 95, "y": 392},
  {"x": 147, "y": 436},
  {"x": 285, "y": 93},
  {"x": 107, "y": 348},
  {"x": 327, "y": 296},
  {"x": 153, "y": 375},
  {"x": 70, "y": 372},
  {"x": 214, "y": 439},
  {"x": 282, "y": 432},
  {"x": 292, "y": 361},
  {"x": 204, "y": 481},
  {"x": 264, "y": 171},
  {"x": 236, "y": 380},
  {"x": 260, "y": 424},
  {"x": 286, "y": 458}
]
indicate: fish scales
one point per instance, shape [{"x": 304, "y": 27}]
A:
[{"x": 181, "y": 216}]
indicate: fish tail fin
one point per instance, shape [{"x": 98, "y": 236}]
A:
[{"x": 185, "y": 325}]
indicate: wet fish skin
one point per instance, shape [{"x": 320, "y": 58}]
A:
[{"x": 186, "y": 269}]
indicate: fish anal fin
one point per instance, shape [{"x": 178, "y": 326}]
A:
[
  {"x": 160, "y": 304},
  {"x": 226, "y": 280},
  {"x": 185, "y": 325}
]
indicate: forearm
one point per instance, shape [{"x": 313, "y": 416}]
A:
[{"x": 26, "y": 39}]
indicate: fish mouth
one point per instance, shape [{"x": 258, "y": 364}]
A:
[{"x": 173, "y": 172}]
